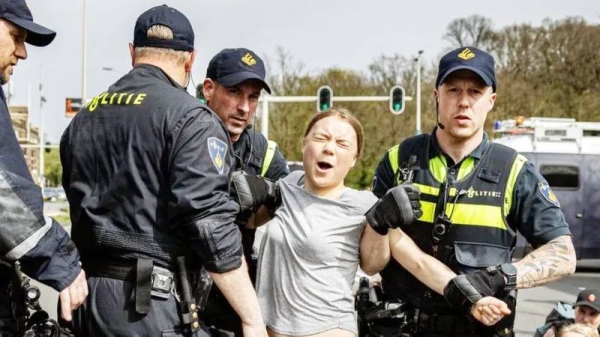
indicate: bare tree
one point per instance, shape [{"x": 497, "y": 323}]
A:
[{"x": 474, "y": 30}]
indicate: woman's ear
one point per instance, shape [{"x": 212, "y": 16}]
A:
[{"x": 303, "y": 144}]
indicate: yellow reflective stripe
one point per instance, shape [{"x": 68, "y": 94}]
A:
[
  {"x": 476, "y": 215},
  {"x": 428, "y": 209},
  {"x": 465, "y": 168},
  {"x": 393, "y": 159},
  {"x": 437, "y": 166},
  {"x": 424, "y": 189},
  {"x": 427, "y": 189},
  {"x": 269, "y": 154},
  {"x": 452, "y": 192},
  {"x": 512, "y": 180}
]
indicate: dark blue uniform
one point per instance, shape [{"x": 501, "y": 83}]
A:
[
  {"x": 146, "y": 172},
  {"x": 41, "y": 245},
  {"x": 250, "y": 151}
]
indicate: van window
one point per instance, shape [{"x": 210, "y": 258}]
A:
[{"x": 561, "y": 176}]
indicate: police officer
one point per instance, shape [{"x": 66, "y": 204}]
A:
[
  {"x": 146, "y": 171},
  {"x": 475, "y": 196},
  {"x": 234, "y": 81},
  {"x": 40, "y": 244}
]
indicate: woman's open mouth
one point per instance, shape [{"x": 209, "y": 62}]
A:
[{"x": 324, "y": 166}]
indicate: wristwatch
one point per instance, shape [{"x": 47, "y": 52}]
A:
[{"x": 510, "y": 273}]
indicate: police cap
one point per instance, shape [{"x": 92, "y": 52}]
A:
[
  {"x": 17, "y": 12},
  {"x": 231, "y": 67},
  {"x": 469, "y": 58},
  {"x": 183, "y": 34}
]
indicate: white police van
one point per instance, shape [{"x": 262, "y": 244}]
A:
[{"x": 567, "y": 153}]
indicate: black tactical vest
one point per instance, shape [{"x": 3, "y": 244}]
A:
[{"x": 476, "y": 202}]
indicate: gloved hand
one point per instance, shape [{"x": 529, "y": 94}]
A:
[
  {"x": 399, "y": 206},
  {"x": 250, "y": 192},
  {"x": 464, "y": 290}
]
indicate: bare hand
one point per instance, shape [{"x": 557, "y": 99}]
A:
[
  {"x": 73, "y": 296},
  {"x": 489, "y": 310},
  {"x": 254, "y": 330}
]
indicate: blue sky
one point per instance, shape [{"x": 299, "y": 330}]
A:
[{"x": 319, "y": 33}]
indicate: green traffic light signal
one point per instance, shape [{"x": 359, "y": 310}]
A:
[
  {"x": 324, "y": 98},
  {"x": 397, "y": 100}
]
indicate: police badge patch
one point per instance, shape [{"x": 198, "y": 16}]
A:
[
  {"x": 546, "y": 191},
  {"x": 217, "y": 150}
]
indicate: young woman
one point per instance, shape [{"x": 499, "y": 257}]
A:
[{"x": 309, "y": 254}]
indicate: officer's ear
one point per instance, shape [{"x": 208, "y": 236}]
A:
[
  {"x": 208, "y": 88},
  {"x": 132, "y": 53},
  {"x": 190, "y": 62},
  {"x": 493, "y": 97}
]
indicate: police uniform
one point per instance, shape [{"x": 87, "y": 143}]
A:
[
  {"x": 40, "y": 244},
  {"x": 255, "y": 155},
  {"x": 487, "y": 197},
  {"x": 146, "y": 169}
]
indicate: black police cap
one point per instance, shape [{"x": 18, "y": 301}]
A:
[
  {"x": 231, "y": 67},
  {"x": 183, "y": 34},
  {"x": 17, "y": 12},
  {"x": 469, "y": 58}
]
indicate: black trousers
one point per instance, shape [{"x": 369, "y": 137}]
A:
[
  {"x": 220, "y": 317},
  {"x": 6, "y": 319},
  {"x": 109, "y": 310}
]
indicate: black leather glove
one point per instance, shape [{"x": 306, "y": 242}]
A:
[
  {"x": 464, "y": 290},
  {"x": 399, "y": 206},
  {"x": 250, "y": 192}
]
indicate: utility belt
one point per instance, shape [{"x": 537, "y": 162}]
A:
[
  {"x": 451, "y": 325},
  {"x": 152, "y": 281},
  {"x": 426, "y": 322}
]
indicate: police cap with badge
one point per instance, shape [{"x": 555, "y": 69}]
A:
[{"x": 231, "y": 67}]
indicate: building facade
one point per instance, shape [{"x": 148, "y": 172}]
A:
[{"x": 28, "y": 137}]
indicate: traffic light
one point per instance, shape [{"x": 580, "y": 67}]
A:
[
  {"x": 397, "y": 100},
  {"x": 200, "y": 93},
  {"x": 324, "y": 98}
]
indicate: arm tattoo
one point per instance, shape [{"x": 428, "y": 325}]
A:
[{"x": 547, "y": 263}]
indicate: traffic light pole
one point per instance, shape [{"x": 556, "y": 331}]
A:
[{"x": 266, "y": 99}]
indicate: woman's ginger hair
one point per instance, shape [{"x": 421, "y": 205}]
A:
[{"x": 582, "y": 329}]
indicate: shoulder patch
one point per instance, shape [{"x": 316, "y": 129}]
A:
[
  {"x": 217, "y": 150},
  {"x": 548, "y": 194}
]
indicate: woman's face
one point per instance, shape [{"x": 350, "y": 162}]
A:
[{"x": 329, "y": 151}]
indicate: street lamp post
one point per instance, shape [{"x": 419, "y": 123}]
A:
[
  {"x": 114, "y": 70},
  {"x": 41, "y": 136},
  {"x": 84, "y": 56},
  {"x": 418, "y": 123}
]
